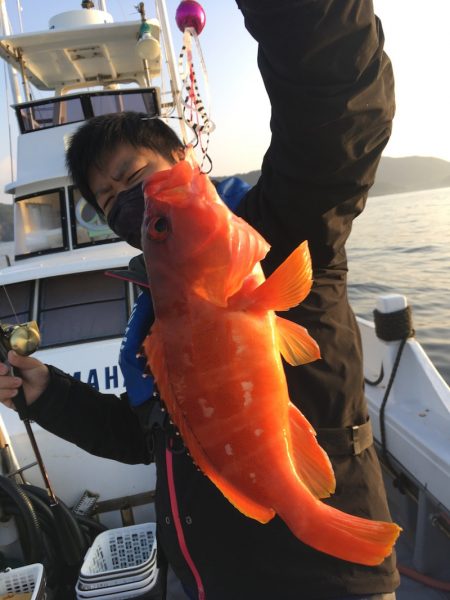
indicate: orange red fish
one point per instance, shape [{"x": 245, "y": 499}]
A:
[{"x": 215, "y": 353}]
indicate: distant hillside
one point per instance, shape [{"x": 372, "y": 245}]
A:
[
  {"x": 396, "y": 175},
  {"x": 409, "y": 174}
]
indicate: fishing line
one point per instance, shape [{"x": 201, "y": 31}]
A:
[
  {"x": 10, "y": 303},
  {"x": 206, "y": 156}
]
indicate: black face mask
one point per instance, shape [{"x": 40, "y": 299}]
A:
[{"x": 125, "y": 217}]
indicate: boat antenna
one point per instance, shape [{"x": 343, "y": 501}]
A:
[
  {"x": 5, "y": 29},
  {"x": 141, "y": 10},
  {"x": 19, "y": 14}
]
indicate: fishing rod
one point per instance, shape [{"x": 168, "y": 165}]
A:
[{"x": 24, "y": 338}]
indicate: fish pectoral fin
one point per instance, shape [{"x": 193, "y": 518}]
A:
[
  {"x": 311, "y": 461},
  {"x": 288, "y": 285},
  {"x": 295, "y": 344}
]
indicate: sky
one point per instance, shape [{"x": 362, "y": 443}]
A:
[{"x": 417, "y": 41}]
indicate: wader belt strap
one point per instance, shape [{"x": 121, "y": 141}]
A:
[{"x": 346, "y": 441}]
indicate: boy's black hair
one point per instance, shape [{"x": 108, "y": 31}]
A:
[{"x": 98, "y": 138}]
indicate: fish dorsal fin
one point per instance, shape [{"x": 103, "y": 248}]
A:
[
  {"x": 311, "y": 462},
  {"x": 288, "y": 285},
  {"x": 154, "y": 351},
  {"x": 295, "y": 344},
  {"x": 247, "y": 249}
]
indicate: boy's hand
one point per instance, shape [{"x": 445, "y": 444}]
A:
[{"x": 34, "y": 378}]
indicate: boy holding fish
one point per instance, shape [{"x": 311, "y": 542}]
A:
[{"x": 331, "y": 91}]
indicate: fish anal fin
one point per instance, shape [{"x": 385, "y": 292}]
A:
[
  {"x": 154, "y": 352},
  {"x": 287, "y": 286},
  {"x": 244, "y": 504},
  {"x": 312, "y": 463},
  {"x": 295, "y": 344}
]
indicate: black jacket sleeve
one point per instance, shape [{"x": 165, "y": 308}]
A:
[
  {"x": 101, "y": 424},
  {"x": 331, "y": 90}
]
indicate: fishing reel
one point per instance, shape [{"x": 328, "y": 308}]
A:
[{"x": 23, "y": 338}]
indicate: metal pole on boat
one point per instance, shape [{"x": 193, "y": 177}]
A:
[
  {"x": 13, "y": 75},
  {"x": 175, "y": 82},
  {"x": 102, "y": 5}
]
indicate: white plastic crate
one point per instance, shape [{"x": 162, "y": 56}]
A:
[
  {"x": 133, "y": 595},
  {"x": 29, "y": 579},
  {"x": 118, "y": 592},
  {"x": 121, "y": 552},
  {"x": 98, "y": 582}
]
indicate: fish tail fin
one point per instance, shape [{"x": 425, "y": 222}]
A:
[{"x": 345, "y": 536}]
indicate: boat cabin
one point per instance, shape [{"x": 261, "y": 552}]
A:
[{"x": 62, "y": 246}]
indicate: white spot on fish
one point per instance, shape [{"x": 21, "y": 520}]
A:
[
  {"x": 208, "y": 411},
  {"x": 247, "y": 386},
  {"x": 238, "y": 340},
  {"x": 253, "y": 477},
  {"x": 229, "y": 449},
  {"x": 259, "y": 432},
  {"x": 187, "y": 360}
]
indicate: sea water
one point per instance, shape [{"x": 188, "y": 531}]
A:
[{"x": 401, "y": 244}]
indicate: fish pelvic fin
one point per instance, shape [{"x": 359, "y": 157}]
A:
[
  {"x": 154, "y": 351},
  {"x": 295, "y": 344},
  {"x": 288, "y": 285},
  {"x": 243, "y": 503},
  {"x": 311, "y": 462}
]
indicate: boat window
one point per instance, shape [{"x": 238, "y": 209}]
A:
[
  {"x": 49, "y": 114},
  {"x": 104, "y": 104},
  {"x": 81, "y": 307},
  {"x": 42, "y": 114},
  {"x": 88, "y": 226},
  {"x": 39, "y": 223},
  {"x": 15, "y": 302}
]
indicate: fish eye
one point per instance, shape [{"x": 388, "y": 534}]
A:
[{"x": 158, "y": 228}]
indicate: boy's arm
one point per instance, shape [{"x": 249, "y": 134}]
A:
[
  {"x": 331, "y": 90},
  {"x": 101, "y": 424}
]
